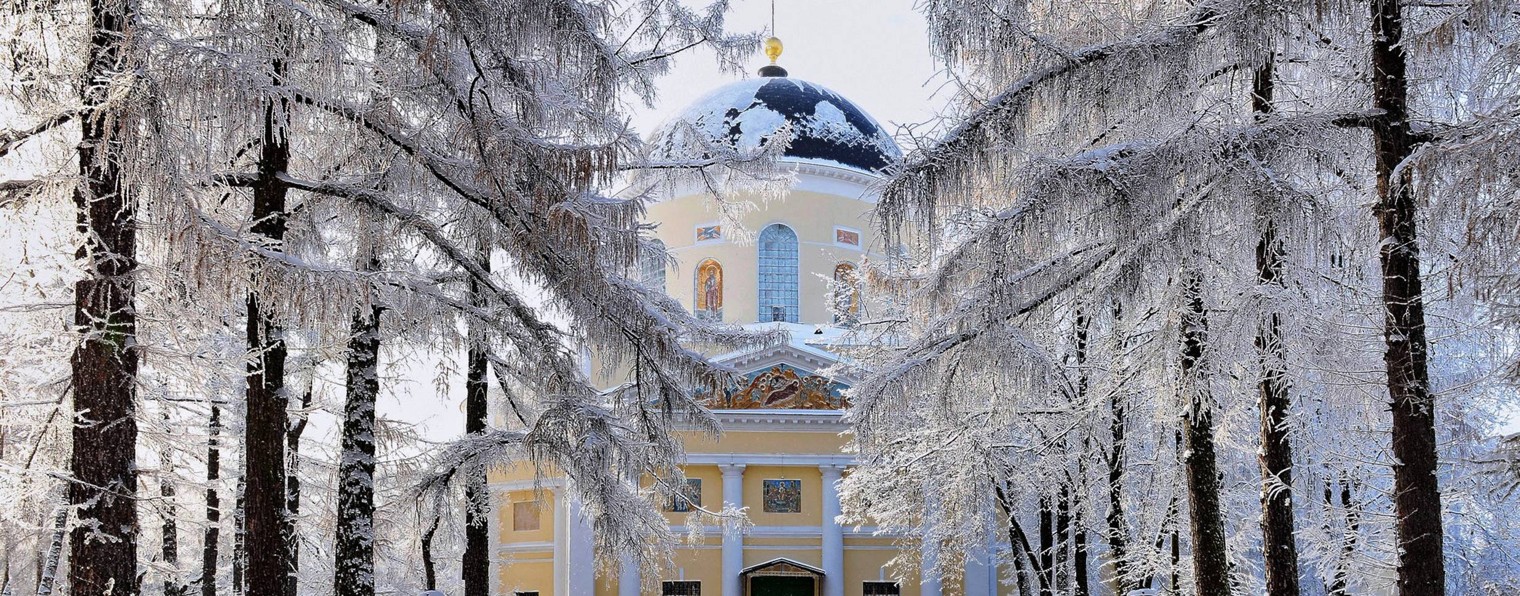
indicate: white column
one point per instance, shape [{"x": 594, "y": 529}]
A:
[
  {"x": 582, "y": 562},
  {"x": 981, "y": 571},
  {"x": 929, "y": 578},
  {"x": 561, "y": 533},
  {"x": 629, "y": 577},
  {"x": 733, "y": 541},
  {"x": 833, "y": 534}
]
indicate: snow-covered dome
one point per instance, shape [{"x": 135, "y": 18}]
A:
[{"x": 826, "y": 127}]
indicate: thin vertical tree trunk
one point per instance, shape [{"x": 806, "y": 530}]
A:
[
  {"x": 240, "y": 538},
  {"x": 1211, "y": 567},
  {"x": 47, "y": 565},
  {"x": 1117, "y": 533},
  {"x": 104, "y": 364},
  {"x": 264, "y": 513},
  {"x": 1416, "y": 488},
  {"x": 1063, "y": 537},
  {"x": 355, "y": 545},
  {"x": 477, "y": 557},
  {"x": 1279, "y": 550},
  {"x": 1078, "y": 527},
  {"x": 429, "y": 568},
  {"x": 293, "y": 494},
  {"x": 1047, "y": 548},
  {"x": 169, "y": 533},
  {"x": 210, "y": 542}
]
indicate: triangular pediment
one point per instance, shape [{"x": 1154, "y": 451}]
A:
[{"x": 783, "y": 377}]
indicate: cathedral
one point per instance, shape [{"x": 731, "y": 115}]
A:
[{"x": 781, "y": 454}]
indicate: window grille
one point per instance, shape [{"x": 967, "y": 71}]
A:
[
  {"x": 681, "y": 588},
  {"x": 778, "y": 274},
  {"x": 882, "y": 589}
]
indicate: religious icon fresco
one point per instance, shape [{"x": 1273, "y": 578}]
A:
[
  {"x": 846, "y": 237},
  {"x": 846, "y": 293},
  {"x": 706, "y": 233},
  {"x": 709, "y": 298},
  {"x": 782, "y": 496},
  {"x": 783, "y": 388}
]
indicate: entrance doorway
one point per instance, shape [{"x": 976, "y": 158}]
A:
[
  {"x": 781, "y": 577},
  {"x": 782, "y": 586}
]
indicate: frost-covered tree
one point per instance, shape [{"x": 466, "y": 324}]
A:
[{"x": 1130, "y": 154}]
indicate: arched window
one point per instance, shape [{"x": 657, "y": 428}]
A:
[
  {"x": 778, "y": 274},
  {"x": 708, "y": 300},
  {"x": 652, "y": 267},
  {"x": 846, "y": 294}
]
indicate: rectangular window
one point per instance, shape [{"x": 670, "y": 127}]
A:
[
  {"x": 782, "y": 496},
  {"x": 519, "y": 593},
  {"x": 882, "y": 588},
  {"x": 681, "y": 588},
  {"x": 690, "y": 497},
  {"x": 525, "y": 516}
]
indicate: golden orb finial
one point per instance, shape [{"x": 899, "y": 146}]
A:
[{"x": 772, "y": 48}]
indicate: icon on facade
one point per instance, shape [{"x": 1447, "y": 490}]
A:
[{"x": 782, "y": 496}]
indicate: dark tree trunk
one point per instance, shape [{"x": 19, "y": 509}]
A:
[
  {"x": 210, "y": 543},
  {"x": 477, "y": 557},
  {"x": 240, "y": 538},
  {"x": 429, "y": 568},
  {"x": 1338, "y": 585},
  {"x": 1047, "y": 548},
  {"x": 1416, "y": 489},
  {"x": 1211, "y": 566},
  {"x": 355, "y": 548},
  {"x": 169, "y": 533},
  {"x": 1080, "y": 586},
  {"x": 1023, "y": 552},
  {"x": 1279, "y": 550},
  {"x": 267, "y": 555},
  {"x": 1118, "y": 530},
  {"x": 104, "y": 364},
  {"x": 1063, "y": 536},
  {"x": 293, "y": 494},
  {"x": 1078, "y": 537}
]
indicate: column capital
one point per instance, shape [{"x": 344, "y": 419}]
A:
[
  {"x": 731, "y": 469},
  {"x": 835, "y": 470}
]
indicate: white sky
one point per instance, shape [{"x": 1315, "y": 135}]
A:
[{"x": 873, "y": 52}]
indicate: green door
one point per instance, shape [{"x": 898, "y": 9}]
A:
[{"x": 780, "y": 586}]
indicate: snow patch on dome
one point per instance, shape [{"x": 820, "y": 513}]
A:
[{"x": 746, "y": 115}]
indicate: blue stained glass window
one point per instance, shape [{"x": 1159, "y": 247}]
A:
[{"x": 778, "y": 274}]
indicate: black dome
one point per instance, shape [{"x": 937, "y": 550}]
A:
[{"x": 826, "y": 127}]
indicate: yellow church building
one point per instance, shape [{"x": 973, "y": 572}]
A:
[{"x": 781, "y": 452}]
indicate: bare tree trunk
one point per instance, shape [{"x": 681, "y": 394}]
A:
[
  {"x": 104, "y": 365},
  {"x": 47, "y": 565},
  {"x": 1416, "y": 488},
  {"x": 210, "y": 541},
  {"x": 1211, "y": 566},
  {"x": 1022, "y": 551},
  {"x": 266, "y": 549},
  {"x": 1118, "y": 530},
  {"x": 1078, "y": 537},
  {"x": 293, "y": 494},
  {"x": 169, "y": 533},
  {"x": 240, "y": 538},
  {"x": 477, "y": 557},
  {"x": 1047, "y": 548},
  {"x": 1279, "y": 550},
  {"x": 355, "y": 544},
  {"x": 1063, "y": 537},
  {"x": 429, "y": 569},
  {"x": 1338, "y": 579}
]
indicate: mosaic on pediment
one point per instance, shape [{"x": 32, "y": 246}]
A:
[{"x": 783, "y": 387}]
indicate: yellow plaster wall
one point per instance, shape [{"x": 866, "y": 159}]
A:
[
  {"x": 812, "y": 500},
  {"x": 863, "y": 565},
  {"x": 812, "y": 215},
  {"x": 712, "y": 492},
  {"x": 545, "y": 531},
  {"x": 519, "y": 574}
]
